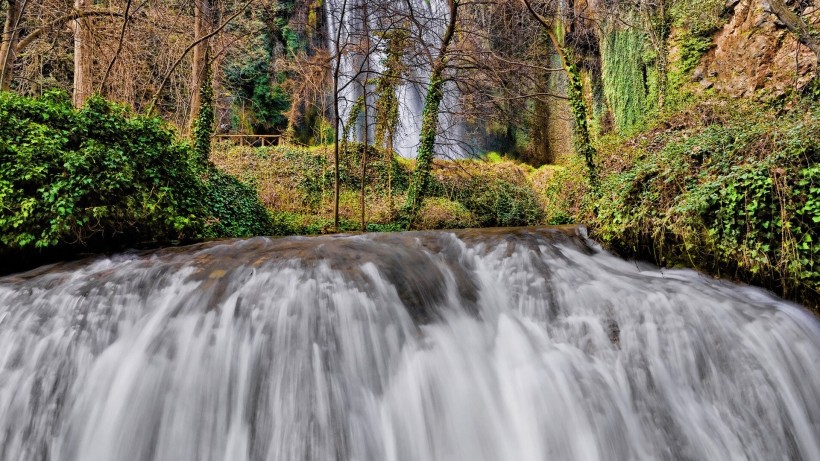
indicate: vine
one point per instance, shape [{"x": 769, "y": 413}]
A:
[
  {"x": 624, "y": 75},
  {"x": 204, "y": 123}
]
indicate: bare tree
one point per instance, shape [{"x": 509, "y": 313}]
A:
[
  {"x": 13, "y": 43},
  {"x": 429, "y": 124},
  {"x": 202, "y": 26},
  {"x": 583, "y": 143},
  {"x": 82, "y": 55},
  {"x": 8, "y": 42}
]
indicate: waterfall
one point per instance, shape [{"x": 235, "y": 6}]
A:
[
  {"x": 475, "y": 345},
  {"x": 426, "y": 21}
]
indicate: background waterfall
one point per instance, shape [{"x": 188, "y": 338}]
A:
[
  {"x": 481, "y": 345},
  {"x": 426, "y": 21}
]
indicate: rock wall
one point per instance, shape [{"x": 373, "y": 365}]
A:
[{"x": 753, "y": 52}]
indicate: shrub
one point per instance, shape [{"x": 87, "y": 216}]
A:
[
  {"x": 735, "y": 195},
  {"x": 100, "y": 177},
  {"x": 441, "y": 213}
]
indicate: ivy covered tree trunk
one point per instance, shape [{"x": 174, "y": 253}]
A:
[
  {"x": 575, "y": 94},
  {"x": 204, "y": 123},
  {"x": 387, "y": 102},
  {"x": 429, "y": 123},
  {"x": 427, "y": 143}
]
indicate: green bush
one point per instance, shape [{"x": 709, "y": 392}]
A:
[
  {"x": 496, "y": 194},
  {"x": 737, "y": 198},
  {"x": 101, "y": 177}
]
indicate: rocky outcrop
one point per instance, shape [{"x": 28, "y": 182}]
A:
[{"x": 755, "y": 52}]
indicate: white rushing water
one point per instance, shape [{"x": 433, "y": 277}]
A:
[{"x": 516, "y": 345}]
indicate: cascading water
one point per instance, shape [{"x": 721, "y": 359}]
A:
[
  {"x": 352, "y": 29},
  {"x": 474, "y": 345}
]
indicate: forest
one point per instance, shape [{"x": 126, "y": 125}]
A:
[
  {"x": 409, "y": 230},
  {"x": 684, "y": 132}
]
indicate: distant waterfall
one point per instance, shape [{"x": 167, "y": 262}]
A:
[
  {"x": 427, "y": 20},
  {"x": 477, "y": 345}
]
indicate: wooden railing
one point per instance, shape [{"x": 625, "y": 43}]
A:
[{"x": 256, "y": 140}]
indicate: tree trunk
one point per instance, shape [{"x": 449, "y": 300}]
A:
[
  {"x": 364, "y": 155},
  {"x": 337, "y": 117},
  {"x": 8, "y": 41},
  {"x": 429, "y": 121},
  {"x": 202, "y": 23},
  {"x": 82, "y": 56},
  {"x": 583, "y": 144}
]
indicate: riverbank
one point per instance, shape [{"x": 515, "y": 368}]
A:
[{"x": 727, "y": 187}]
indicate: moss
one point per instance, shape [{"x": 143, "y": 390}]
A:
[{"x": 442, "y": 213}]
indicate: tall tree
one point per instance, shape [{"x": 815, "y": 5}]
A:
[
  {"x": 82, "y": 55},
  {"x": 583, "y": 143},
  {"x": 429, "y": 121},
  {"x": 202, "y": 27},
  {"x": 8, "y": 41},
  {"x": 337, "y": 118}
]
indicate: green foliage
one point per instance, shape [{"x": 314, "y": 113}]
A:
[
  {"x": 204, "y": 124},
  {"x": 738, "y": 196},
  {"x": 699, "y": 17},
  {"x": 296, "y": 185},
  {"x": 623, "y": 53},
  {"x": 692, "y": 48},
  {"x": 387, "y": 103},
  {"x": 233, "y": 207},
  {"x": 353, "y": 118},
  {"x": 493, "y": 157},
  {"x": 575, "y": 93},
  {"x": 99, "y": 176},
  {"x": 443, "y": 213},
  {"x": 502, "y": 204},
  {"x": 427, "y": 142},
  {"x": 260, "y": 92},
  {"x": 496, "y": 196}
]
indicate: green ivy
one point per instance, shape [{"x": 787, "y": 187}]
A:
[
  {"x": 101, "y": 177},
  {"x": 623, "y": 53}
]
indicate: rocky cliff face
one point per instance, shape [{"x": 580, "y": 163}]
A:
[{"x": 753, "y": 52}]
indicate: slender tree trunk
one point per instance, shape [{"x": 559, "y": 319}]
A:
[
  {"x": 82, "y": 56},
  {"x": 202, "y": 23},
  {"x": 429, "y": 123},
  {"x": 366, "y": 114},
  {"x": 388, "y": 156},
  {"x": 337, "y": 117},
  {"x": 119, "y": 47},
  {"x": 8, "y": 41},
  {"x": 663, "y": 55}
]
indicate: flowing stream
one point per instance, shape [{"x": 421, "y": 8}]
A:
[{"x": 522, "y": 344}]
